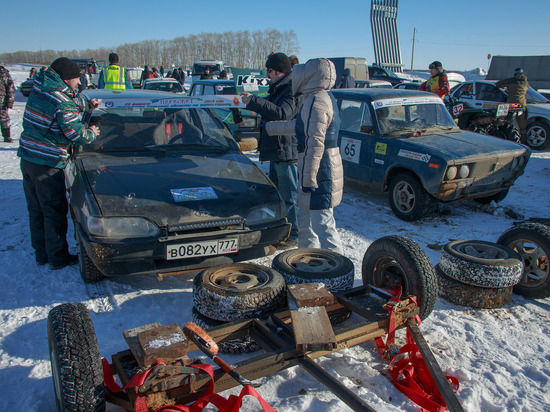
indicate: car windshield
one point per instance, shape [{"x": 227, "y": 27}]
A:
[
  {"x": 140, "y": 128},
  {"x": 226, "y": 89},
  {"x": 173, "y": 87},
  {"x": 201, "y": 68},
  {"x": 534, "y": 97},
  {"x": 412, "y": 116}
]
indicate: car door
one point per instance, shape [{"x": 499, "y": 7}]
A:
[
  {"x": 356, "y": 139},
  {"x": 487, "y": 93}
]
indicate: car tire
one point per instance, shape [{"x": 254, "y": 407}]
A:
[
  {"x": 538, "y": 136},
  {"x": 240, "y": 345},
  {"x": 497, "y": 197},
  {"x": 248, "y": 143},
  {"x": 510, "y": 133},
  {"x": 75, "y": 359},
  {"x": 481, "y": 263},
  {"x": 408, "y": 199},
  {"x": 473, "y": 296},
  {"x": 88, "y": 271},
  {"x": 308, "y": 265},
  {"x": 238, "y": 291},
  {"x": 398, "y": 260},
  {"x": 532, "y": 242}
]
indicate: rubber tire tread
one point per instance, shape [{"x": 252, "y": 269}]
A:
[
  {"x": 539, "y": 234},
  {"x": 226, "y": 305},
  {"x": 72, "y": 340},
  {"x": 476, "y": 271},
  {"x": 88, "y": 271},
  {"x": 415, "y": 264},
  {"x": 336, "y": 280},
  {"x": 468, "y": 295},
  {"x": 422, "y": 201}
]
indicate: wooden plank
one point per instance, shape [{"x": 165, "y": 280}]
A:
[
  {"x": 131, "y": 338},
  {"x": 311, "y": 294},
  {"x": 164, "y": 342},
  {"x": 312, "y": 329}
]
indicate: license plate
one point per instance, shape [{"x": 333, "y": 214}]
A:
[
  {"x": 204, "y": 248},
  {"x": 503, "y": 110}
]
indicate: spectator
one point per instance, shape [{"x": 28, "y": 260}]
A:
[
  {"x": 206, "y": 74},
  {"x": 43, "y": 69},
  {"x": 346, "y": 80},
  {"x": 169, "y": 74},
  {"x": 293, "y": 60},
  {"x": 113, "y": 76},
  {"x": 223, "y": 75},
  {"x": 44, "y": 150},
  {"x": 83, "y": 81},
  {"x": 7, "y": 97},
  {"x": 154, "y": 74},
  {"x": 517, "y": 87},
  {"x": 279, "y": 151},
  {"x": 176, "y": 75},
  {"x": 182, "y": 75},
  {"x": 145, "y": 74},
  {"x": 161, "y": 70},
  {"x": 438, "y": 83},
  {"x": 32, "y": 73},
  {"x": 320, "y": 171}
]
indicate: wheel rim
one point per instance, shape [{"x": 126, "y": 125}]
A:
[
  {"x": 404, "y": 196},
  {"x": 536, "y": 264},
  {"x": 239, "y": 279},
  {"x": 388, "y": 274},
  {"x": 314, "y": 263},
  {"x": 482, "y": 251},
  {"x": 536, "y": 136}
]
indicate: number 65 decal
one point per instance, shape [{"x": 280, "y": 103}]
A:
[{"x": 350, "y": 149}]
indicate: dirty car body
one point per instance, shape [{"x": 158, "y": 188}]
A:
[
  {"x": 405, "y": 141},
  {"x": 167, "y": 189}
]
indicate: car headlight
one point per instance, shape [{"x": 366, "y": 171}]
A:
[
  {"x": 463, "y": 171},
  {"x": 451, "y": 172},
  {"x": 265, "y": 214},
  {"x": 121, "y": 227}
]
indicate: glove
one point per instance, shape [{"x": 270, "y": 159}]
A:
[{"x": 306, "y": 189}]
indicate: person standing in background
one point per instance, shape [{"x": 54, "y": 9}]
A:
[
  {"x": 438, "y": 82},
  {"x": 7, "y": 98},
  {"x": 113, "y": 76},
  {"x": 517, "y": 88}
]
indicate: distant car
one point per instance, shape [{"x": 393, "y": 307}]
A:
[
  {"x": 164, "y": 189},
  {"x": 405, "y": 142},
  {"x": 242, "y": 123},
  {"x": 163, "y": 84},
  {"x": 475, "y": 93},
  {"x": 408, "y": 85},
  {"x": 369, "y": 84},
  {"x": 380, "y": 73}
]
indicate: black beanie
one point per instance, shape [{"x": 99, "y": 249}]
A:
[
  {"x": 66, "y": 68},
  {"x": 279, "y": 62}
]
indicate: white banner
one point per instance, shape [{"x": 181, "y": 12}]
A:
[{"x": 188, "y": 102}]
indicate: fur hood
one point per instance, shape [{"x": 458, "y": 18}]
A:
[{"x": 315, "y": 75}]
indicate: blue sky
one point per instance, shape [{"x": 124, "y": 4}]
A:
[{"x": 458, "y": 33}]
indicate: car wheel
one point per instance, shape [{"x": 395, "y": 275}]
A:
[
  {"x": 75, "y": 359},
  {"x": 532, "y": 242},
  {"x": 88, "y": 271},
  {"x": 480, "y": 263},
  {"x": 473, "y": 296},
  {"x": 240, "y": 345},
  {"x": 397, "y": 260},
  {"x": 238, "y": 291},
  {"x": 538, "y": 136},
  {"x": 509, "y": 132},
  {"x": 497, "y": 197},
  {"x": 408, "y": 199},
  {"x": 305, "y": 265}
]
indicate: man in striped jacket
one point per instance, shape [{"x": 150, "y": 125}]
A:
[{"x": 51, "y": 125}]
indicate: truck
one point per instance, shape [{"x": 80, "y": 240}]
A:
[
  {"x": 357, "y": 65},
  {"x": 536, "y": 68},
  {"x": 215, "y": 67}
]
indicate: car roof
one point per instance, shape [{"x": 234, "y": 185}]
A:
[
  {"x": 377, "y": 93},
  {"x": 161, "y": 79}
]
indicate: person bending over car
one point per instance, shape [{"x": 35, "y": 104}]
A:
[
  {"x": 517, "y": 88},
  {"x": 51, "y": 125}
]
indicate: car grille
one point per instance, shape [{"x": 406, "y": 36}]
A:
[{"x": 206, "y": 226}]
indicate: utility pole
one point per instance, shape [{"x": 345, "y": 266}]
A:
[{"x": 412, "y": 54}]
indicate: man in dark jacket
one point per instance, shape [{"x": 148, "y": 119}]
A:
[
  {"x": 51, "y": 124},
  {"x": 145, "y": 74},
  {"x": 346, "y": 80},
  {"x": 7, "y": 97},
  {"x": 517, "y": 88},
  {"x": 279, "y": 151}
]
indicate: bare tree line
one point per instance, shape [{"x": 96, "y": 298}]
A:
[{"x": 238, "y": 49}]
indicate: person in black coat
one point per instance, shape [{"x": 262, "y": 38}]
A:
[
  {"x": 280, "y": 151},
  {"x": 346, "y": 80}
]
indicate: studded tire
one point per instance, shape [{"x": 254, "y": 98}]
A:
[
  {"x": 238, "y": 291},
  {"x": 481, "y": 263},
  {"x": 308, "y": 265},
  {"x": 75, "y": 359},
  {"x": 477, "y": 297},
  {"x": 532, "y": 242},
  {"x": 88, "y": 271},
  {"x": 398, "y": 260}
]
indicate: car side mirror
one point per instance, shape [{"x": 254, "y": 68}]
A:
[{"x": 366, "y": 129}]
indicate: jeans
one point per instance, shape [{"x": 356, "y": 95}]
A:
[
  {"x": 318, "y": 230},
  {"x": 285, "y": 176}
]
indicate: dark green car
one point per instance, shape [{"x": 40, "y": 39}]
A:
[{"x": 405, "y": 142}]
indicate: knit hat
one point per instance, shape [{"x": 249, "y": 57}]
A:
[
  {"x": 113, "y": 58},
  {"x": 519, "y": 70},
  {"x": 279, "y": 62},
  {"x": 435, "y": 65},
  {"x": 66, "y": 68}
]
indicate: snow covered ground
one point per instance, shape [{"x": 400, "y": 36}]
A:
[{"x": 501, "y": 356}]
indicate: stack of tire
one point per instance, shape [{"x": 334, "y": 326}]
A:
[
  {"x": 477, "y": 273},
  {"x": 227, "y": 293}
]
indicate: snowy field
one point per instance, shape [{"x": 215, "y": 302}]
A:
[{"x": 500, "y": 356}]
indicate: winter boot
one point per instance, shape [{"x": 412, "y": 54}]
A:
[{"x": 6, "y": 134}]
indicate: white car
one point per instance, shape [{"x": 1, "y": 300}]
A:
[
  {"x": 474, "y": 93},
  {"x": 163, "y": 84}
]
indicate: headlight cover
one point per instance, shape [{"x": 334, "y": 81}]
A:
[
  {"x": 121, "y": 227},
  {"x": 263, "y": 214}
]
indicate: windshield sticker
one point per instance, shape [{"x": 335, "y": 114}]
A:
[
  {"x": 195, "y": 102},
  {"x": 407, "y": 101},
  {"x": 422, "y": 157},
  {"x": 193, "y": 193},
  {"x": 380, "y": 148}
]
